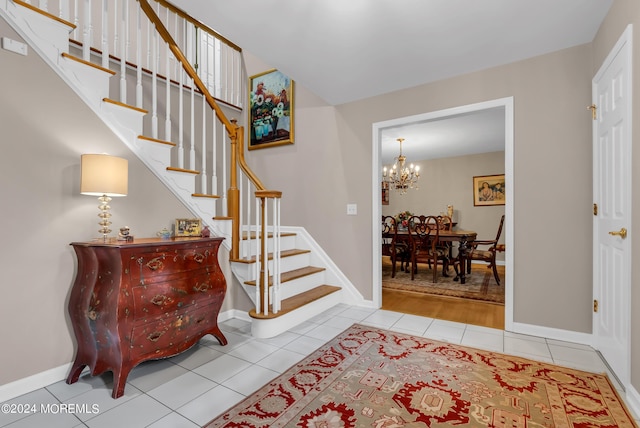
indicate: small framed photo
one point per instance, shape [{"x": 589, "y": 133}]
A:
[
  {"x": 488, "y": 190},
  {"x": 188, "y": 227},
  {"x": 270, "y": 110}
]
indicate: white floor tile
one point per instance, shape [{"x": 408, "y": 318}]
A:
[
  {"x": 521, "y": 346},
  {"x": 324, "y": 332},
  {"x": 253, "y": 351},
  {"x": 305, "y": 344},
  {"x": 483, "y": 340},
  {"x": 35, "y": 398},
  {"x": 382, "y": 319},
  {"x": 445, "y": 332},
  {"x": 196, "y": 356},
  {"x": 339, "y": 322},
  {"x": 174, "y": 420},
  {"x": 138, "y": 412},
  {"x": 412, "y": 323},
  {"x": 181, "y": 390},
  {"x": 280, "y": 360},
  {"x": 210, "y": 404},
  {"x": 222, "y": 368},
  {"x": 250, "y": 379},
  {"x": 152, "y": 374}
]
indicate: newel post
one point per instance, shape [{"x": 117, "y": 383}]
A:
[{"x": 233, "y": 194}]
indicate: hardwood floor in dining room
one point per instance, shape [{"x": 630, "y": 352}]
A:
[{"x": 445, "y": 308}]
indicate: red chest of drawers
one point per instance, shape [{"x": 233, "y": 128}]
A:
[{"x": 143, "y": 300}]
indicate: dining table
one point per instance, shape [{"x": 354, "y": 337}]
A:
[{"x": 464, "y": 238}]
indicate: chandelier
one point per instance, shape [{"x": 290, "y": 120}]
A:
[{"x": 400, "y": 176}]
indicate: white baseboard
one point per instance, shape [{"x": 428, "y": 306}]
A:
[
  {"x": 36, "y": 381},
  {"x": 28, "y": 384},
  {"x": 632, "y": 399},
  {"x": 550, "y": 333}
]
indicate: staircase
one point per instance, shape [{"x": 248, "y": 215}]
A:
[{"x": 283, "y": 270}]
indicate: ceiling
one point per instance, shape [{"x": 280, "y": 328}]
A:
[{"x": 347, "y": 50}]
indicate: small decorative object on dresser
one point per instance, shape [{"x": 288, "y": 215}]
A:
[
  {"x": 143, "y": 300},
  {"x": 188, "y": 227}
]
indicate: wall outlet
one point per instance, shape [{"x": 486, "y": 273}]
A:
[{"x": 352, "y": 209}]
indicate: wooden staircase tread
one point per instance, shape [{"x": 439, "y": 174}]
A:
[
  {"x": 292, "y": 274},
  {"x": 298, "y": 301},
  {"x": 203, "y": 195},
  {"x": 88, "y": 63},
  {"x": 118, "y": 103},
  {"x": 155, "y": 140},
  {"x": 188, "y": 171}
]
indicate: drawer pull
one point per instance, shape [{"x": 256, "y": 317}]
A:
[
  {"x": 153, "y": 337},
  {"x": 159, "y": 299},
  {"x": 155, "y": 264},
  {"x": 199, "y": 258},
  {"x": 201, "y": 287}
]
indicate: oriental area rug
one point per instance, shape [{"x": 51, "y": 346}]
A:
[
  {"x": 479, "y": 285},
  {"x": 368, "y": 377}
]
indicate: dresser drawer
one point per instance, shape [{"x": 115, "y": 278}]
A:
[
  {"x": 159, "y": 298},
  {"x": 151, "y": 266},
  {"x": 171, "y": 334}
]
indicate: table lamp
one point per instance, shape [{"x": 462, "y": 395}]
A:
[{"x": 106, "y": 177}]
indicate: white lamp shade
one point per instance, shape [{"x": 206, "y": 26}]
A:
[{"x": 104, "y": 175}]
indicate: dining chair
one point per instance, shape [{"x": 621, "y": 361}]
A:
[
  {"x": 445, "y": 223},
  {"x": 487, "y": 255},
  {"x": 391, "y": 246},
  {"x": 424, "y": 232}
]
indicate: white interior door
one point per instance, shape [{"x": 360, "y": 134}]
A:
[{"x": 612, "y": 195}]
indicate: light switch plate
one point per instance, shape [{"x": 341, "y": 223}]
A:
[
  {"x": 352, "y": 209},
  {"x": 14, "y": 46}
]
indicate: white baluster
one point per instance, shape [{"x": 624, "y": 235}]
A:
[
  {"x": 105, "y": 34},
  {"x": 139, "y": 92},
  {"x": 87, "y": 30},
  {"x": 203, "y": 162},
  {"x": 124, "y": 36},
  {"x": 154, "y": 83}
]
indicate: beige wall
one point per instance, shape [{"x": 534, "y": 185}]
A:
[
  {"x": 44, "y": 128},
  {"x": 552, "y": 169},
  {"x": 449, "y": 181},
  {"x": 623, "y": 13}
]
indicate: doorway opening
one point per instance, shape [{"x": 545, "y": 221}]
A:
[{"x": 390, "y": 130}]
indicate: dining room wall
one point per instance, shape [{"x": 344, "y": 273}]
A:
[{"x": 449, "y": 181}]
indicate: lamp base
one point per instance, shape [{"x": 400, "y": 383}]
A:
[{"x": 104, "y": 216}]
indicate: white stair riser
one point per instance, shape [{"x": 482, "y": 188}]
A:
[
  {"x": 264, "y": 329},
  {"x": 94, "y": 81},
  {"x": 51, "y": 36},
  {"x": 246, "y": 271},
  {"x": 286, "y": 243},
  {"x": 300, "y": 285}
]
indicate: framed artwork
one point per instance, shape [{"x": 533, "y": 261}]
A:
[
  {"x": 188, "y": 227},
  {"x": 488, "y": 190},
  {"x": 385, "y": 193},
  {"x": 270, "y": 110}
]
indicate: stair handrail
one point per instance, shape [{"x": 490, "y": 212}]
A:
[
  {"x": 235, "y": 132},
  {"x": 268, "y": 298}
]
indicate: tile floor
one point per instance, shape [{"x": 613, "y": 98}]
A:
[{"x": 189, "y": 390}]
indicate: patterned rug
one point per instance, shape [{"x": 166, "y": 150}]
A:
[
  {"x": 367, "y": 377},
  {"x": 480, "y": 285}
]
